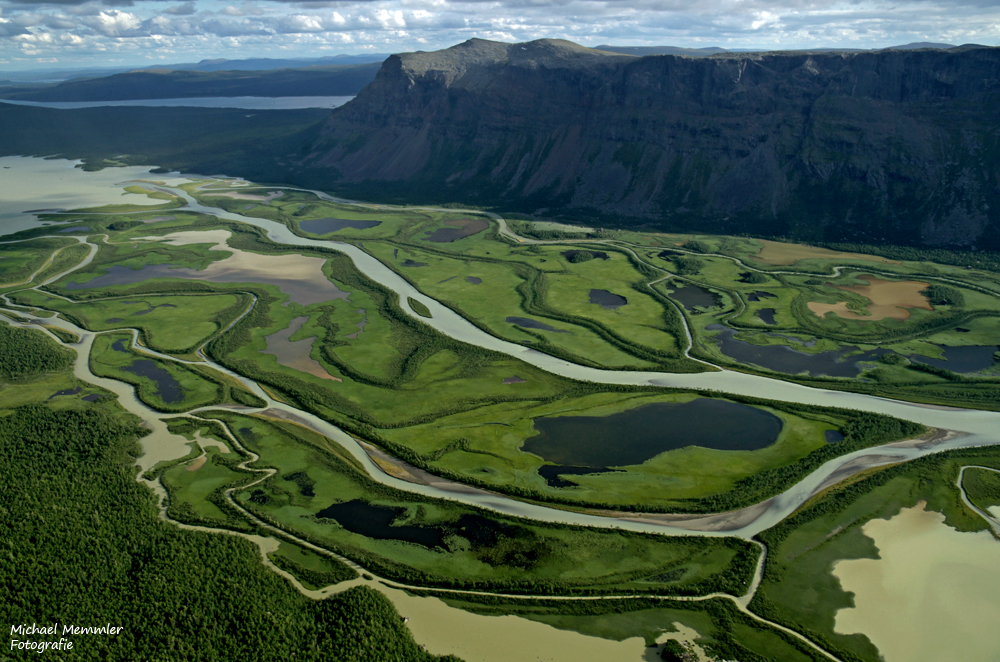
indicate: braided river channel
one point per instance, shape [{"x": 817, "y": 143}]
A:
[{"x": 59, "y": 184}]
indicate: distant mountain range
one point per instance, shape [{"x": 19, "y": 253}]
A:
[
  {"x": 337, "y": 80},
  {"x": 715, "y": 50},
  {"x": 896, "y": 145},
  {"x": 252, "y": 64}
]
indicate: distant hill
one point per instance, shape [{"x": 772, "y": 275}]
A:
[
  {"x": 660, "y": 50},
  {"x": 337, "y": 80},
  {"x": 266, "y": 64},
  {"x": 898, "y": 145}
]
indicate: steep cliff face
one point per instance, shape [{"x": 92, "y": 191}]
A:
[{"x": 898, "y": 146}]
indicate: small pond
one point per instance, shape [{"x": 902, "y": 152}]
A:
[
  {"x": 766, "y": 316},
  {"x": 607, "y": 300},
  {"x": 328, "y": 225},
  {"x": 552, "y": 472},
  {"x": 167, "y": 388},
  {"x": 474, "y": 280},
  {"x": 968, "y": 358},
  {"x": 457, "y": 229},
  {"x": 375, "y": 522},
  {"x": 833, "y": 436},
  {"x": 81, "y": 228},
  {"x": 595, "y": 254},
  {"x": 634, "y": 436},
  {"x": 692, "y": 296},
  {"x": 71, "y": 391},
  {"x": 760, "y": 296},
  {"x": 413, "y": 263},
  {"x": 782, "y": 358},
  {"x": 526, "y": 323}
]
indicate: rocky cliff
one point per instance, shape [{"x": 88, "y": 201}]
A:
[{"x": 887, "y": 146}]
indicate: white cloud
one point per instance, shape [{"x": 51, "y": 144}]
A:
[
  {"x": 114, "y": 22},
  {"x": 195, "y": 29}
]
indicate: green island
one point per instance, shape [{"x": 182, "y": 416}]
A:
[{"x": 339, "y": 443}]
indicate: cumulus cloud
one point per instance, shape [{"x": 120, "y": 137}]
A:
[
  {"x": 113, "y": 23},
  {"x": 194, "y": 29}
]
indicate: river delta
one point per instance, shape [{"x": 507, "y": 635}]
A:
[{"x": 447, "y": 629}]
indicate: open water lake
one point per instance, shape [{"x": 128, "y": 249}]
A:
[
  {"x": 634, "y": 436},
  {"x": 249, "y": 103}
]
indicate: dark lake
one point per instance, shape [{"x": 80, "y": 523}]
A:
[
  {"x": 969, "y": 358},
  {"x": 533, "y": 324},
  {"x": 71, "y": 391},
  {"x": 474, "y": 280},
  {"x": 552, "y": 472},
  {"x": 482, "y": 531},
  {"x": 607, "y": 300},
  {"x": 81, "y": 228},
  {"x": 598, "y": 254},
  {"x": 167, "y": 388},
  {"x": 93, "y": 397},
  {"x": 412, "y": 263},
  {"x": 766, "y": 315},
  {"x": 328, "y": 225},
  {"x": 122, "y": 275},
  {"x": 692, "y": 296},
  {"x": 833, "y": 436},
  {"x": 782, "y": 358},
  {"x": 373, "y": 521},
  {"x": 457, "y": 229},
  {"x": 760, "y": 296},
  {"x": 667, "y": 254},
  {"x": 637, "y": 435}
]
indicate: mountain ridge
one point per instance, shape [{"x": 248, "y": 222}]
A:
[{"x": 871, "y": 146}]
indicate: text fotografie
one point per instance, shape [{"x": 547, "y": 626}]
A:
[{"x": 63, "y": 644}]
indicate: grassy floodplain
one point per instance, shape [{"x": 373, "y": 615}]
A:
[
  {"x": 458, "y": 546},
  {"x": 163, "y": 385},
  {"x": 610, "y": 299},
  {"x": 768, "y": 296}
]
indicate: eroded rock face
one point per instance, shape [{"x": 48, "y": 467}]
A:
[{"x": 896, "y": 146}]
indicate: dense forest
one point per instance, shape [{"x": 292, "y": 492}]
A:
[
  {"x": 81, "y": 544},
  {"x": 25, "y": 353}
]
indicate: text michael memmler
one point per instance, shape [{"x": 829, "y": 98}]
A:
[{"x": 40, "y": 633}]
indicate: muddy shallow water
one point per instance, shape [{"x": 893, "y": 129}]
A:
[
  {"x": 298, "y": 276},
  {"x": 931, "y": 596},
  {"x": 295, "y": 354}
]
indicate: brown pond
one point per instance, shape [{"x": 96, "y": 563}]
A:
[{"x": 295, "y": 354}]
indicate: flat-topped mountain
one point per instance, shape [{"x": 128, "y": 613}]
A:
[{"x": 893, "y": 146}]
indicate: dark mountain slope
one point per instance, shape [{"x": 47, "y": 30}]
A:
[{"x": 889, "y": 146}]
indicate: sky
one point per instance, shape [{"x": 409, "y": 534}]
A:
[{"x": 77, "y": 33}]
